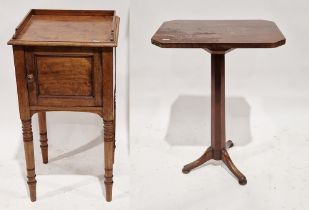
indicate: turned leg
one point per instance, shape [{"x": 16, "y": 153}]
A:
[
  {"x": 43, "y": 136},
  {"x": 29, "y": 155},
  {"x": 108, "y": 153},
  {"x": 204, "y": 158},
  {"x": 229, "y": 163}
]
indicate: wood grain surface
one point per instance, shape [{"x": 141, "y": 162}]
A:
[
  {"x": 218, "y": 34},
  {"x": 67, "y": 28}
]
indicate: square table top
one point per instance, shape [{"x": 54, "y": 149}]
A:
[
  {"x": 214, "y": 34},
  {"x": 92, "y": 28}
]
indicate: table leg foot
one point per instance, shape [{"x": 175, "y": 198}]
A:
[
  {"x": 204, "y": 158},
  {"x": 229, "y": 163},
  {"x": 224, "y": 156},
  {"x": 29, "y": 155},
  {"x": 229, "y": 144}
]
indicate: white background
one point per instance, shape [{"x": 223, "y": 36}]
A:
[
  {"x": 267, "y": 96},
  {"x": 267, "y": 117},
  {"x": 74, "y": 177}
]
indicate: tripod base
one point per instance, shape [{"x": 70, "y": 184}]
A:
[{"x": 209, "y": 154}]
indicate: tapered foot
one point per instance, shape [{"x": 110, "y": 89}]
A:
[
  {"x": 204, "y": 158},
  {"x": 29, "y": 155},
  {"x": 109, "y": 188},
  {"x": 32, "y": 190},
  {"x": 229, "y": 163},
  {"x": 44, "y": 154}
]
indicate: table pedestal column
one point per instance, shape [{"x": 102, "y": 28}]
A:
[{"x": 217, "y": 150}]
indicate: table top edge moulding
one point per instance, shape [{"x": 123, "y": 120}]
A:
[
  {"x": 225, "y": 34},
  {"x": 30, "y": 32}
]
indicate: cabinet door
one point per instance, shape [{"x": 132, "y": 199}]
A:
[{"x": 64, "y": 77}]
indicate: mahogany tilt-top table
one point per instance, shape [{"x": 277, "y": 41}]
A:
[
  {"x": 218, "y": 37},
  {"x": 64, "y": 61}
]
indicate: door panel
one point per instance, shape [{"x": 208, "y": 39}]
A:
[{"x": 64, "y": 78}]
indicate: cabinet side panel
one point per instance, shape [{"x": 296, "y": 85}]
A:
[{"x": 108, "y": 87}]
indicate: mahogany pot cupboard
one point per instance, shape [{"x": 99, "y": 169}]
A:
[{"x": 64, "y": 61}]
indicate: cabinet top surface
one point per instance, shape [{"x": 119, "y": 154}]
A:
[
  {"x": 90, "y": 28},
  {"x": 218, "y": 34}
]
